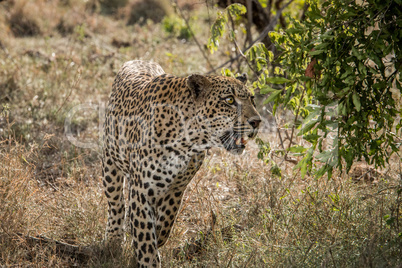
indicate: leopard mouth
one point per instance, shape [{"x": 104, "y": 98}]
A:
[{"x": 235, "y": 142}]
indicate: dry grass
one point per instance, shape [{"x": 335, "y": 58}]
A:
[
  {"x": 288, "y": 221},
  {"x": 282, "y": 221},
  {"x": 61, "y": 208},
  {"x": 235, "y": 213}
]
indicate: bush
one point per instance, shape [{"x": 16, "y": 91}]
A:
[
  {"x": 342, "y": 65},
  {"x": 154, "y": 10},
  {"x": 176, "y": 26},
  {"x": 111, "y": 6},
  {"x": 22, "y": 22},
  {"x": 338, "y": 71}
]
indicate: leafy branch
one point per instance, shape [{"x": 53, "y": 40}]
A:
[{"x": 338, "y": 70}]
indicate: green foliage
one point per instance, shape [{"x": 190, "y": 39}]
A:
[
  {"x": 227, "y": 72},
  {"x": 219, "y": 26},
  {"x": 79, "y": 32},
  {"x": 5, "y": 111},
  {"x": 342, "y": 62},
  {"x": 260, "y": 56},
  {"x": 338, "y": 71},
  {"x": 176, "y": 26},
  {"x": 265, "y": 149}
]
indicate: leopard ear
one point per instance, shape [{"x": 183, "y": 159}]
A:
[
  {"x": 198, "y": 85},
  {"x": 242, "y": 78}
]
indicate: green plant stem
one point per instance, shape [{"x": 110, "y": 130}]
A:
[
  {"x": 238, "y": 50},
  {"x": 264, "y": 33},
  {"x": 295, "y": 121}
]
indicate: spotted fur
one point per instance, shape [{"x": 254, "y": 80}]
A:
[{"x": 157, "y": 129}]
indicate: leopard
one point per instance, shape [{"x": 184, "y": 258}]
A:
[{"x": 157, "y": 130}]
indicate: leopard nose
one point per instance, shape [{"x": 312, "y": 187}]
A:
[{"x": 254, "y": 121}]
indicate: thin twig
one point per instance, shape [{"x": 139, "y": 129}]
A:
[
  {"x": 224, "y": 64},
  {"x": 307, "y": 251},
  {"x": 251, "y": 256},
  {"x": 266, "y": 30},
  {"x": 238, "y": 50},
  {"x": 280, "y": 138},
  {"x": 76, "y": 82},
  {"x": 295, "y": 121},
  {"x": 79, "y": 252},
  {"x": 286, "y": 157},
  {"x": 232, "y": 37},
  {"x": 388, "y": 188},
  {"x": 249, "y": 37},
  {"x": 195, "y": 39},
  {"x": 364, "y": 174},
  {"x": 270, "y": 26}
]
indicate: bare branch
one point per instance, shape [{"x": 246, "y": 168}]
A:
[
  {"x": 196, "y": 40},
  {"x": 267, "y": 29}
]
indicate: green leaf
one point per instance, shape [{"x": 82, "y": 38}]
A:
[
  {"x": 274, "y": 95},
  {"x": 276, "y": 171},
  {"x": 227, "y": 72},
  {"x": 356, "y": 101},
  {"x": 217, "y": 30},
  {"x": 355, "y": 85},
  {"x": 297, "y": 149},
  {"x": 277, "y": 80},
  {"x": 314, "y": 110},
  {"x": 311, "y": 137},
  {"x": 307, "y": 127},
  {"x": 357, "y": 53},
  {"x": 304, "y": 163},
  {"x": 321, "y": 46},
  {"x": 324, "y": 156},
  {"x": 321, "y": 171},
  {"x": 328, "y": 35},
  {"x": 315, "y": 52},
  {"x": 294, "y": 30},
  {"x": 236, "y": 9},
  {"x": 267, "y": 89}
]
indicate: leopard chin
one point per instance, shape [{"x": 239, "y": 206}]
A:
[{"x": 235, "y": 142}]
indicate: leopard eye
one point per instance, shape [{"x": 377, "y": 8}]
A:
[{"x": 230, "y": 100}]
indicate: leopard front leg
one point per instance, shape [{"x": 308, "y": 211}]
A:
[
  {"x": 168, "y": 208},
  {"x": 169, "y": 205},
  {"x": 113, "y": 180},
  {"x": 143, "y": 228}
]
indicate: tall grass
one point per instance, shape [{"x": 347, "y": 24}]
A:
[
  {"x": 261, "y": 220},
  {"x": 288, "y": 221}
]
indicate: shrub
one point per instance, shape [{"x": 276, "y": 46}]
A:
[
  {"x": 154, "y": 10},
  {"x": 176, "y": 26},
  {"x": 111, "y": 6},
  {"x": 22, "y": 22},
  {"x": 338, "y": 71}
]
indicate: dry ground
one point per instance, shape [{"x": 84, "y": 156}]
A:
[{"x": 58, "y": 60}]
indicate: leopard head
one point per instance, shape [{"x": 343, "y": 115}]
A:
[{"x": 226, "y": 110}]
